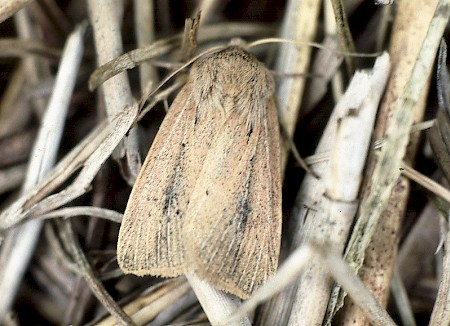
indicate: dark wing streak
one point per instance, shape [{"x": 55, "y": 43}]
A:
[
  {"x": 272, "y": 153},
  {"x": 137, "y": 233},
  {"x": 244, "y": 198},
  {"x": 163, "y": 223},
  {"x": 232, "y": 227},
  {"x": 244, "y": 195},
  {"x": 224, "y": 158},
  {"x": 167, "y": 224},
  {"x": 237, "y": 254},
  {"x": 269, "y": 199}
]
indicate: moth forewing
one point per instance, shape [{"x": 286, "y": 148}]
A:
[
  {"x": 149, "y": 237},
  {"x": 208, "y": 197},
  {"x": 233, "y": 233}
]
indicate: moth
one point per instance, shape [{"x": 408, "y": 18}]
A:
[{"x": 208, "y": 196}]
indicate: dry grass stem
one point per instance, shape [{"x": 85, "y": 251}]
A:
[
  {"x": 148, "y": 305},
  {"x": 299, "y": 26},
  {"x": 335, "y": 265},
  {"x": 440, "y": 315},
  {"x": 22, "y": 48},
  {"x": 106, "y": 19},
  {"x": 11, "y": 178},
  {"x": 425, "y": 232},
  {"x": 136, "y": 57},
  {"x": 91, "y": 154},
  {"x": 13, "y": 113},
  {"x": 217, "y": 305},
  {"x": 89, "y": 276},
  {"x": 208, "y": 9},
  {"x": 35, "y": 68},
  {"x": 332, "y": 32},
  {"x": 387, "y": 194},
  {"x": 10, "y": 7},
  {"x": 99, "y": 212},
  {"x": 144, "y": 16},
  {"x": 19, "y": 244},
  {"x": 343, "y": 32},
  {"x": 426, "y": 182},
  {"x": 401, "y": 299},
  {"x": 325, "y": 65}
]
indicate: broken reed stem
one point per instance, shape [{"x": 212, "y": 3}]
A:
[{"x": 330, "y": 203}]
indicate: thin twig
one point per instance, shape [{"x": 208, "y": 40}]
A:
[
  {"x": 90, "y": 211},
  {"x": 88, "y": 274}
]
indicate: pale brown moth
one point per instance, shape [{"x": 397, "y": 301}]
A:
[{"x": 208, "y": 196}]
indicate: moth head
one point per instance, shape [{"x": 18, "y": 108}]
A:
[{"x": 233, "y": 79}]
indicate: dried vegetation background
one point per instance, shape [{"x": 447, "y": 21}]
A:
[{"x": 375, "y": 201}]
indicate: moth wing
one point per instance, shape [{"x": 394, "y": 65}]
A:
[
  {"x": 150, "y": 234},
  {"x": 233, "y": 220}
]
